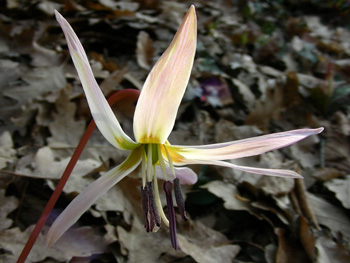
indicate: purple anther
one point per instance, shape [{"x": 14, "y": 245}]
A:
[
  {"x": 153, "y": 204},
  {"x": 179, "y": 199},
  {"x": 149, "y": 207},
  {"x": 171, "y": 213}
]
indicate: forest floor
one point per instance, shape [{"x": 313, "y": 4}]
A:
[{"x": 261, "y": 67}]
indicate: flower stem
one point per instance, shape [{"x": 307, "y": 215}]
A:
[{"x": 67, "y": 172}]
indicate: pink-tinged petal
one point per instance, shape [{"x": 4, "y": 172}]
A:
[
  {"x": 185, "y": 175},
  {"x": 240, "y": 148},
  {"x": 254, "y": 170},
  {"x": 165, "y": 85},
  {"x": 102, "y": 113},
  {"x": 86, "y": 198}
]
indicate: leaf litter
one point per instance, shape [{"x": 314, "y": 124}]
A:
[{"x": 260, "y": 67}]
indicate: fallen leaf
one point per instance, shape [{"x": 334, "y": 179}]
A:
[
  {"x": 289, "y": 249},
  {"x": 144, "y": 50},
  {"x": 7, "y": 153},
  {"x": 306, "y": 236},
  {"x": 79, "y": 242},
  {"x": 263, "y": 111},
  {"x": 39, "y": 81},
  {"x": 140, "y": 246},
  {"x": 246, "y": 93},
  {"x": 329, "y": 252},
  {"x": 227, "y": 192},
  {"x": 341, "y": 188},
  {"x": 330, "y": 216},
  {"x": 7, "y": 205},
  {"x": 45, "y": 165},
  {"x": 65, "y": 129},
  {"x": 206, "y": 245}
]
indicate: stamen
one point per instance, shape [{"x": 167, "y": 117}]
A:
[
  {"x": 158, "y": 203},
  {"x": 153, "y": 204},
  {"x": 179, "y": 199},
  {"x": 170, "y": 162},
  {"x": 149, "y": 208},
  {"x": 171, "y": 213},
  {"x": 145, "y": 206},
  {"x": 161, "y": 162},
  {"x": 143, "y": 168},
  {"x": 149, "y": 163}
]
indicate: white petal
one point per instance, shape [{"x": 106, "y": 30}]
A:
[
  {"x": 102, "y": 113},
  {"x": 254, "y": 170},
  {"x": 240, "y": 148},
  {"x": 184, "y": 174},
  {"x": 165, "y": 85},
  {"x": 87, "y": 197}
]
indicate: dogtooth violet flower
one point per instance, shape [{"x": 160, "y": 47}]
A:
[{"x": 154, "y": 119}]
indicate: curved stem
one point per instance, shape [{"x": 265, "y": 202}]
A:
[{"x": 67, "y": 172}]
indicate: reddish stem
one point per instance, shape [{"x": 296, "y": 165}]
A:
[{"x": 61, "y": 183}]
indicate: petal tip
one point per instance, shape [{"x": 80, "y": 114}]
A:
[
  {"x": 58, "y": 16},
  {"x": 298, "y": 176},
  {"x": 319, "y": 130}
]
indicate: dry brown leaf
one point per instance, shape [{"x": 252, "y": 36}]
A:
[
  {"x": 7, "y": 153},
  {"x": 45, "y": 165},
  {"x": 65, "y": 130},
  {"x": 330, "y": 252},
  {"x": 329, "y": 215},
  {"x": 307, "y": 238},
  {"x": 144, "y": 50},
  {"x": 327, "y": 173},
  {"x": 227, "y": 192},
  {"x": 289, "y": 249},
  {"x": 7, "y": 205},
  {"x": 308, "y": 81},
  {"x": 141, "y": 246},
  {"x": 341, "y": 188},
  {"x": 39, "y": 80},
  {"x": 79, "y": 242},
  {"x": 317, "y": 28},
  {"x": 110, "y": 235},
  {"x": 291, "y": 95},
  {"x": 303, "y": 202},
  {"x": 275, "y": 185},
  {"x": 227, "y": 131},
  {"x": 343, "y": 122},
  {"x": 262, "y": 112},
  {"x": 206, "y": 245},
  {"x": 270, "y": 185},
  {"x": 305, "y": 159},
  {"x": 246, "y": 93}
]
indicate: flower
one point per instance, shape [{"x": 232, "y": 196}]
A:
[{"x": 154, "y": 119}]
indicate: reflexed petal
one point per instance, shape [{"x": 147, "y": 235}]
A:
[
  {"x": 102, "y": 113},
  {"x": 254, "y": 170},
  {"x": 86, "y": 198},
  {"x": 240, "y": 148},
  {"x": 165, "y": 85},
  {"x": 185, "y": 175}
]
